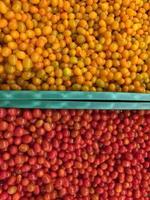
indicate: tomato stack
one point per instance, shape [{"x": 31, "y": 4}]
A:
[
  {"x": 86, "y": 45},
  {"x": 55, "y": 49},
  {"x": 74, "y": 154}
]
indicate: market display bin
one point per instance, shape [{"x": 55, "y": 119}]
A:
[{"x": 74, "y": 100}]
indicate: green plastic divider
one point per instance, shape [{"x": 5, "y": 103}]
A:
[
  {"x": 75, "y": 105},
  {"x": 73, "y": 95}
]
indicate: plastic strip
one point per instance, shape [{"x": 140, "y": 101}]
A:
[
  {"x": 75, "y": 105},
  {"x": 69, "y": 95}
]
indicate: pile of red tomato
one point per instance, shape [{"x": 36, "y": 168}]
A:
[{"x": 74, "y": 155}]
